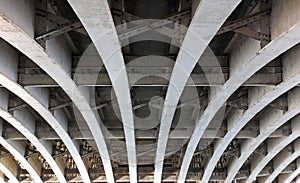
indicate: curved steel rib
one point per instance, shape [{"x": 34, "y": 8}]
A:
[
  {"x": 252, "y": 144},
  {"x": 266, "y": 55},
  {"x": 26, "y": 126},
  {"x": 288, "y": 160},
  {"x": 200, "y": 32},
  {"x": 8, "y": 173},
  {"x": 10, "y": 32},
  {"x": 279, "y": 146},
  {"x": 97, "y": 20},
  {"x": 17, "y": 149},
  {"x": 34, "y": 98},
  {"x": 292, "y": 176}
]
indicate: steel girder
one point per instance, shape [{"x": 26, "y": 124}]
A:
[
  {"x": 35, "y": 97},
  {"x": 100, "y": 26},
  {"x": 283, "y": 161},
  {"x": 293, "y": 175},
  {"x": 24, "y": 122},
  {"x": 274, "y": 148},
  {"x": 265, "y": 56},
  {"x": 199, "y": 34}
]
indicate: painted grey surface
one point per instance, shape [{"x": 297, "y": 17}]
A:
[
  {"x": 97, "y": 20},
  {"x": 200, "y": 32}
]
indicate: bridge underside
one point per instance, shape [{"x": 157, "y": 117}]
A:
[{"x": 150, "y": 91}]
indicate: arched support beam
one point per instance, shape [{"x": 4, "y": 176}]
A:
[
  {"x": 282, "y": 160},
  {"x": 17, "y": 149},
  {"x": 38, "y": 99},
  {"x": 250, "y": 145},
  {"x": 275, "y": 146},
  {"x": 97, "y": 20},
  {"x": 293, "y": 175},
  {"x": 263, "y": 57},
  {"x": 8, "y": 168},
  {"x": 268, "y": 122},
  {"x": 24, "y": 122},
  {"x": 55, "y": 61},
  {"x": 268, "y": 125},
  {"x": 199, "y": 34},
  {"x": 8, "y": 173}
]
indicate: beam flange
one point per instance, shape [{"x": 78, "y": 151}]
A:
[
  {"x": 61, "y": 21},
  {"x": 123, "y": 35},
  {"x": 197, "y": 79},
  {"x": 244, "y": 21},
  {"x": 59, "y": 31}
]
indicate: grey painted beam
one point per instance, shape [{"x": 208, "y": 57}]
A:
[
  {"x": 283, "y": 161},
  {"x": 59, "y": 20},
  {"x": 38, "y": 100},
  {"x": 43, "y": 80},
  {"x": 249, "y": 146},
  {"x": 263, "y": 57},
  {"x": 293, "y": 175},
  {"x": 200, "y": 32},
  {"x": 6, "y": 167},
  {"x": 244, "y": 21},
  {"x": 141, "y": 135},
  {"x": 2, "y": 180},
  {"x": 24, "y": 122},
  {"x": 158, "y": 26},
  {"x": 59, "y": 31},
  {"x": 59, "y": 71},
  {"x": 8, "y": 173},
  {"x": 17, "y": 149},
  {"x": 97, "y": 20},
  {"x": 268, "y": 123},
  {"x": 274, "y": 148}
]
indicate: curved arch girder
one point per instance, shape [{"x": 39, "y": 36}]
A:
[
  {"x": 292, "y": 176},
  {"x": 254, "y": 143},
  {"x": 97, "y": 20},
  {"x": 33, "y": 99},
  {"x": 288, "y": 160},
  {"x": 269, "y": 122},
  {"x": 12, "y": 33},
  {"x": 17, "y": 149},
  {"x": 26, "y": 126},
  {"x": 278, "y": 147},
  {"x": 2, "y": 180},
  {"x": 200, "y": 32},
  {"x": 8, "y": 173},
  {"x": 265, "y": 56}
]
